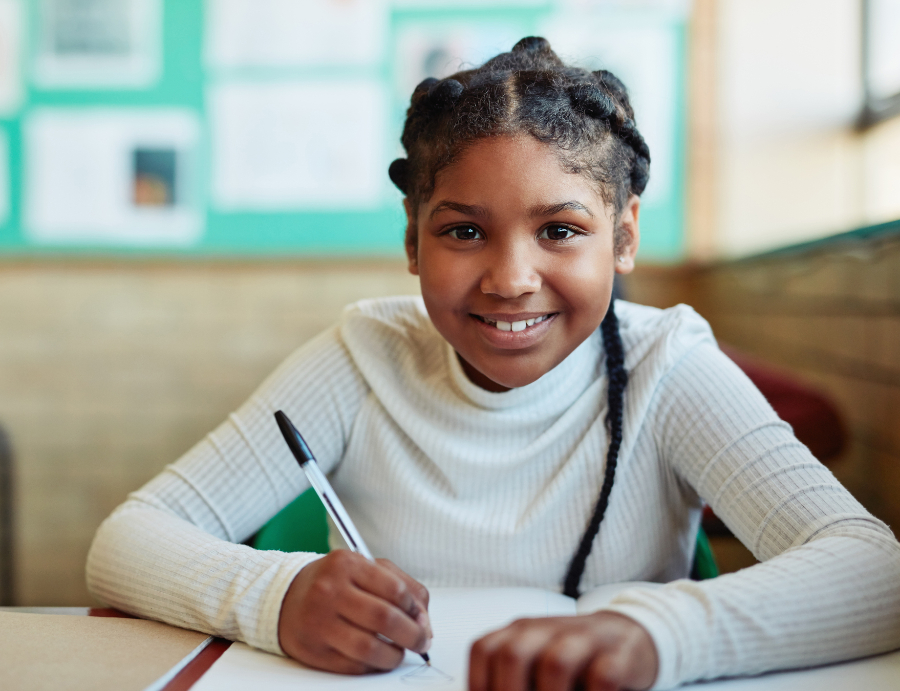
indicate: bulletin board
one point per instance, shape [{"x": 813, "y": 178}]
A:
[{"x": 265, "y": 127}]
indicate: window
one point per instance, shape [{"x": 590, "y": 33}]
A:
[{"x": 880, "y": 61}]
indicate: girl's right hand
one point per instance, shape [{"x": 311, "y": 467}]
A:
[{"x": 336, "y": 606}]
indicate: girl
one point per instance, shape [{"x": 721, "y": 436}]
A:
[{"x": 516, "y": 427}]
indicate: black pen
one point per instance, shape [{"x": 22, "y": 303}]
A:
[{"x": 326, "y": 493}]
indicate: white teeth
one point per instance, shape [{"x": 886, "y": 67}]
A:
[{"x": 516, "y": 326}]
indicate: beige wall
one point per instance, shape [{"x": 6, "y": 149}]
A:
[
  {"x": 773, "y": 154},
  {"x": 110, "y": 371}
]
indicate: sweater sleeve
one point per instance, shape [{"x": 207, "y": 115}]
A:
[
  {"x": 827, "y": 589},
  {"x": 171, "y": 552}
]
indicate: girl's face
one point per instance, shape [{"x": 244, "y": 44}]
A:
[{"x": 515, "y": 258}]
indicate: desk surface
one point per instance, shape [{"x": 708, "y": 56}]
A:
[{"x": 182, "y": 681}]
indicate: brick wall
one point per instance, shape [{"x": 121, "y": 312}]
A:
[{"x": 108, "y": 372}]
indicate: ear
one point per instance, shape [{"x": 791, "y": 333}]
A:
[
  {"x": 629, "y": 227},
  {"x": 412, "y": 239}
]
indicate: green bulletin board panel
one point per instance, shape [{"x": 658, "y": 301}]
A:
[{"x": 185, "y": 82}]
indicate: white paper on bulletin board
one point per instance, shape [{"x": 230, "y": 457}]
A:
[
  {"x": 11, "y": 29},
  {"x": 298, "y": 145},
  {"x": 4, "y": 178},
  {"x": 438, "y": 49},
  {"x": 112, "y": 176},
  {"x": 645, "y": 57},
  {"x": 99, "y": 43},
  {"x": 674, "y": 7},
  {"x": 468, "y": 4},
  {"x": 289, "y": 33}
]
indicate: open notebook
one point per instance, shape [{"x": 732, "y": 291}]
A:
[{"x": 459, "y": 616}]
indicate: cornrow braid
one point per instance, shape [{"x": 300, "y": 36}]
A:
[
  {"x": 618, "y": 380},
  {"x": 591, "y": 100}
]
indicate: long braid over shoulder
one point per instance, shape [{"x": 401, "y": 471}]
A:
[
  {"x": 586, "y": 115},
  {"x": 615, "y": 396}
]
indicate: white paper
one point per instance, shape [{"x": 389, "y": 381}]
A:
[
  {"x": 457, "y": 4},
  {"x": 289, "y": 33},
  {"x": 675, "y": 7},
  {"x": 11, "y": 31},
  {"x": 84, "y": 180},
  {"x": 459, "y": 616},
  {"x": 643, "y": 53},
  {"x": 4, "y": 178},
  {"x": 600, "y": 597},
  {"x": 99, "y": 43},
  {"x": 298, "y": 145},
  {"x": 430, "y": 49}
]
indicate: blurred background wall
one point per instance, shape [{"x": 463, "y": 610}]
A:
[{"x": 189, "y": 190}]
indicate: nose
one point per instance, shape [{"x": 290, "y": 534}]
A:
[{"x": 511, "y": 272}]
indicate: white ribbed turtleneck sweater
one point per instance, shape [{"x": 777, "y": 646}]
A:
[{"x": 463, "y": 487}]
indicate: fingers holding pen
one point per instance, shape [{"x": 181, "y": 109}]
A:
[
  {"x": 347, "y": 614},
  {"x": 378, "y": 616},
  {"x": 418, "y": 591}
]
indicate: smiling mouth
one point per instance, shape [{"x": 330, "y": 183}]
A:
[{"x": 513, "y": 326}]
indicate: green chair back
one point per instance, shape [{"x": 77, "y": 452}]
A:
[
  {"x": 302, "y": 527},
  {"x": 704, "y": 560}
]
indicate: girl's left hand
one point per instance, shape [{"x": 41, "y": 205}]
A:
[{"x": 604, "y": 651}]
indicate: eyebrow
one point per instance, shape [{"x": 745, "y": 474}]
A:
[
  {"x": 533, "y": 212},
  {"x": 553, "y": 209},
  {"x": 467, "y": 209}
]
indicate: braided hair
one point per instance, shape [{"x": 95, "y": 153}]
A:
[
  {"x": 586, "y": 116},
  {"x": 615, "y": 397},
  {"x": 588, "y": 119}
]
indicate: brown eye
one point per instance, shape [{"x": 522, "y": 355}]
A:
[
  {"x": 556, "y": 233},
  {"x": 465, "y": 233}
]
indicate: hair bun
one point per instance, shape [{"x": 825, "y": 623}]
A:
[
  {"x": 444, "y": 94},
  {"x": 398, "y": 172},
  {"x": 588, "y": 99},
  {"x": 425, "y": 85},
  {"x": 532, "y": 44}
]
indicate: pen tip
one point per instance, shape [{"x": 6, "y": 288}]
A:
[{"x": 426, "y": 658}]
